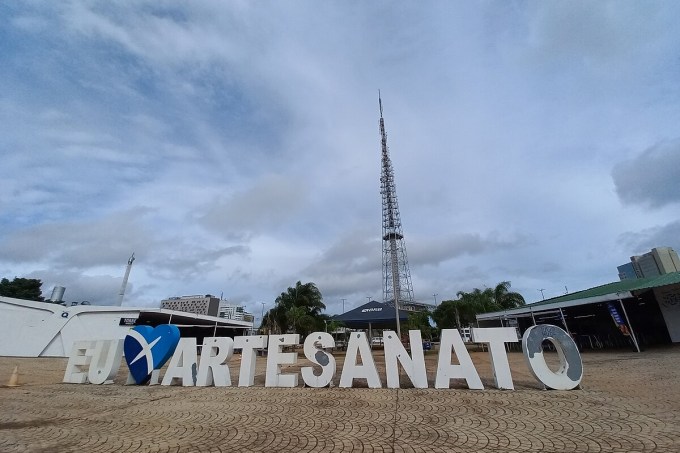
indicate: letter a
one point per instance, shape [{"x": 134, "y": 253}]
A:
[{"x": 446, "y": 370}]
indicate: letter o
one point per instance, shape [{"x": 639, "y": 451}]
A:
[{"x": 570, "y": 371}]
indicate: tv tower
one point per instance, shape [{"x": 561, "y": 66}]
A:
[{"x": 397, "y": 286}]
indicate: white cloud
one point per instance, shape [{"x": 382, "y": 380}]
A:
[
  {"x": 640, "y": 242},
  {"x": 651, "y": 178},
  {"x": 275, "y": 200},
  {"x": 235, "y": 147}
]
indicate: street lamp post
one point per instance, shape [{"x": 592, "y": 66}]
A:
[
  {"x": 435, "y": 299},
  {"x": 262, "y": 316},
  {"x": 541, "y": 290},
  {"x": 343, "y": 305}
]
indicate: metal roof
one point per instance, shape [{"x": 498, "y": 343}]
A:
[
  {"x": 611, "y": 291},
  {"x": 375, "y": 313},
  {"x": 161, "y": 315}
]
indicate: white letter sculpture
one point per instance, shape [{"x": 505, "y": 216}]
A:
[
  {"x": 319, "y": 357},
  {"x": 79, "y": 362},
  {"x": 248, "y": 345},
  {"x": 350, "y": 370},
  {"x": 496, "y": 337},
  {"x": 276, "y": 358},
  {"x": 570, "y": 371},
  {"x": 213, "y": 369},
  {"x": 414, "y": 365},
  {"x": 182, "y": 364},
  {"x": 446, "y": 370},
  {"x": 105, "y": 361}
]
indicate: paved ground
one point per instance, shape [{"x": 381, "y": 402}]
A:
[{"x": 629, "y": 403}]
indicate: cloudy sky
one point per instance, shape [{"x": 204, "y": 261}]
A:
[{"x": 234, "y": 146}]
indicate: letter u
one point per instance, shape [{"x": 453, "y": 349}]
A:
[{"x": 105, "y": 361}]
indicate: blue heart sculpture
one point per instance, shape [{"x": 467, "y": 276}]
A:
[{"x": 147, "y": 349}]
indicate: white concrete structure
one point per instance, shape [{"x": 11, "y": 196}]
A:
[{"x": 40, "y": 329}]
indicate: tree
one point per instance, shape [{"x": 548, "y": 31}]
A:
[
  {"x": 420, "y": 320},
  {"x": 505, "y": 298},
  {"x": 454, "y": 314},
  {"x": 462, "y": 312},
  {"x": 22, "y": 288},
  {"x": 297, "y": 309}
]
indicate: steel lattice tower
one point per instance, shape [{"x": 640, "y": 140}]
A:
[{"x": 397, "y": 286}]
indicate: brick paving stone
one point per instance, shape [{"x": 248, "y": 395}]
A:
[{"x": 629, "y": 402}]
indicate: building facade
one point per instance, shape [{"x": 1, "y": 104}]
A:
[
  {"x": 199, "y": 305},
  {"x": 658, "y": 261},
  {"x": 627, "y": 272},
  {"x": 235, "y": 312}
]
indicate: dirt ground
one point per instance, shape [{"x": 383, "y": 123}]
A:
[{"x": 629, "y": 403}]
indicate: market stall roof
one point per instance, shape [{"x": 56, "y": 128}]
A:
[
  {"x": 611, "y": 291},
  {"x": 374, "y": 313}
]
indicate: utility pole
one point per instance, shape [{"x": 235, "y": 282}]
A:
[
  {"x": 435, "y": 299},
  {"x": 262, "y": 315},
  {"x": 343, "y": 305},
  {"x": 123, "y": 286},
  {"x": 541, "y": 290}
]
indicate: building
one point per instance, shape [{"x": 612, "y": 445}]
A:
[
  {"x": 626, "y": 272},
  {"x": 413, "y": 305},
  {"x": 200, "y": 305},
  {"x": 633, "y": 313},
  {"x": 42, "y": 329},
  {"x": 235, "y": 312},
  {"x": 658, "y": 261}
]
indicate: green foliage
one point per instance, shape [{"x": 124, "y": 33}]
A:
[
  {"x": 445, "y": 315},
  {"x": 332, "y": 325},
  {"x": 505, "y": 298},
  {"x": 22, "y": 288},
  {"x": 461, "y": 312},
  {"x": 419, "y": 320},
  {"x": 298, "y": 309}
]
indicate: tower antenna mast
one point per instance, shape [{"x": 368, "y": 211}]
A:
[
  {"x": 125, "y": 280},
  {"x": 397, "y": 286}
]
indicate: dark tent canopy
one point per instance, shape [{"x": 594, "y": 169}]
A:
[{"x": 377, "y": 314}]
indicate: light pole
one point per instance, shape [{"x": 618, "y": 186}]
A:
[
  {"x": 541, "y": 290},
  {"x": 435, "y": 299},
  {"x": 262, "y": 316},
  {"x": 343, "y": 305},
  {"x": 455, "y": 304}
]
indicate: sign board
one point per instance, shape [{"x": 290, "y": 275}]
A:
[{"x": 147, "y": 349}]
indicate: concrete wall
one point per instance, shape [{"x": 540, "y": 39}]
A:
[
  {"x": 40, "y": 329},
  {"x": 669, "y": 303}
]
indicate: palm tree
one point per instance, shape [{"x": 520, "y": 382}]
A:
[
  {"x": 298, "y": 309},
  {"x": 505, "y": 298},
  {"x": 463, "y": 311}
]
